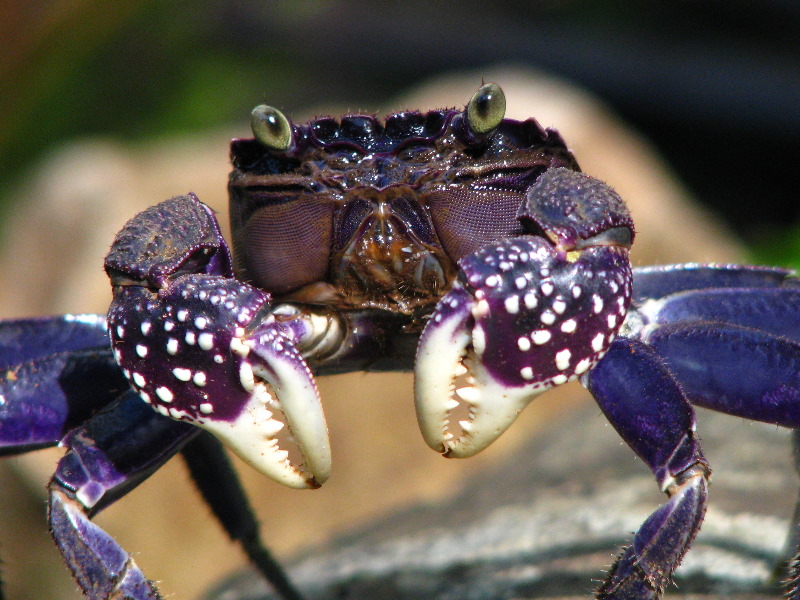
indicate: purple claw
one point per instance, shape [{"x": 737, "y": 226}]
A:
[
  {"x": 515, "y": 325},
  {"x": 203, "y": 348},
  {"x": 199, "y": 353}
]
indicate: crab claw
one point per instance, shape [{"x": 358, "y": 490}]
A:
[
  {"x": 522, "y": 318},
  {"x": 206, "y": 350},
  {"x": 201, "y": 347}
]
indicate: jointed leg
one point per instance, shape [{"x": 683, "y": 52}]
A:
[
  {"x": 647, "y": 407},
  {"x": 217, "y": 481}
]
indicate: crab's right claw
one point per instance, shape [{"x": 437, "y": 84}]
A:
[
  {"x": 281, "y": 428},
  {"x": 205, "y": 350},
  {"x": 200, "y": 346}
]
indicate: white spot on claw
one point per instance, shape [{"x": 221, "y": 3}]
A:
[
  {"x": 530, "y": 300},
  {"x": 597, "y": 342},
  {"x": 200, "y": 322},
  {"x": 512, "y": 305},
  {"x": 205, "y": 341},
  {"x": 548, "y": 318},
  {"x": 598, "y": 303},
  {"x": 582, "y": 366},
  {"x": 164, "y": 394},
  {"x": 481, "y": 309},
  {"x": 524, "y": 344},
  {"x": 182, "y": 374},
  {"x": 562, "y": 359},
  {"x": 206, "y": 408},
  {"x": 191, "y": 338},
  {"x": 145, "y": 327},
  {"x": 183, "y": 314},
  {"x": 120, "y": 332},
  {"x": 526, "y": 372},
  {"x": 239, "y": 347},
  {"x": 141, "y": 350},
  {"x": 568, "y": 326},
  {"x": 559, "y": 306},
  {"x": 612, "y": 321},
  {"x": 541, "y": 336},
  {"x": 172, "y": 346},
  {"x": 199, "y": 379},
  {"x": 547, "y": 288},
  {"x": 139, "y": 380},
  {"x": 576, "y": 291},
  {"x": 169, "y": 325}
]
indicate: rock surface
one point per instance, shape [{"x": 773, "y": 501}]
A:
[{"x": 548, "y": 520}]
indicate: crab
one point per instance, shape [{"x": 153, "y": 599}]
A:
[{"x": 459, "y": 244}]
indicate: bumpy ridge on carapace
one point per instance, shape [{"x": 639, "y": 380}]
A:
[{"x": 368, "y": 135}]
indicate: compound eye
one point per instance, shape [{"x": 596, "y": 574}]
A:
[
  {"x": 486, "y": 108},
  {"x": 271, "y": 128}
]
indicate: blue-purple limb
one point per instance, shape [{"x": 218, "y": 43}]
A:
[
  {"x": 744, "y": 372},
  {"x": 104, "y": 461},
  {"x": 645, "y": 404},
  {"x": 663, "y": 280},
  {"x": 771, "y": 310},
  {"x": 735, "y": 370},
  {"x": 54, "y": 373},
  {"x": 22, "y": 340}
]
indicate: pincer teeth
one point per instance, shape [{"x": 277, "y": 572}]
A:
[
  {"x": 470, "y": 394},
  {"x": 273, "y": 427},
  {"x": 467, "y": 426}
]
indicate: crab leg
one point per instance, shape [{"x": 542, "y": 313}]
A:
[
  {"x": 111, "y": 454},
  {"x": 54, "y": 373},
  {"x": 663, "y": 280},
  {"x": 753, "y": 374},
  {"x": 644, "y": 402},
  {"x": 22, "y": 340},
  {"x": 104, "y": 461}
]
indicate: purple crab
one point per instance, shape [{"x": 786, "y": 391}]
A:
[{"x": 420, "y": 242}]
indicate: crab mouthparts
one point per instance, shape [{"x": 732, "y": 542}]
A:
[{"x": 461, "y": 407}]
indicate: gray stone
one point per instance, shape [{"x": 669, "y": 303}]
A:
[{"x": 548, "y": 522}]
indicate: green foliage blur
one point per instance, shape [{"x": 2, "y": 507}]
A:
[{"x": 129, "y": 70}]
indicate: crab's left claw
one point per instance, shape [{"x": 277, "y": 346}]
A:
[
  {"x": 526, "y": 314},
  {"x": 201, "y": 347}
]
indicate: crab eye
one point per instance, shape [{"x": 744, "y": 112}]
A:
[
  {"x": 271, "y": 128},
  {"x": 486, "y": 108}
]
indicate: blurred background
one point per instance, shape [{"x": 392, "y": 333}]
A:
[{"x": 109, "y": 106}]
